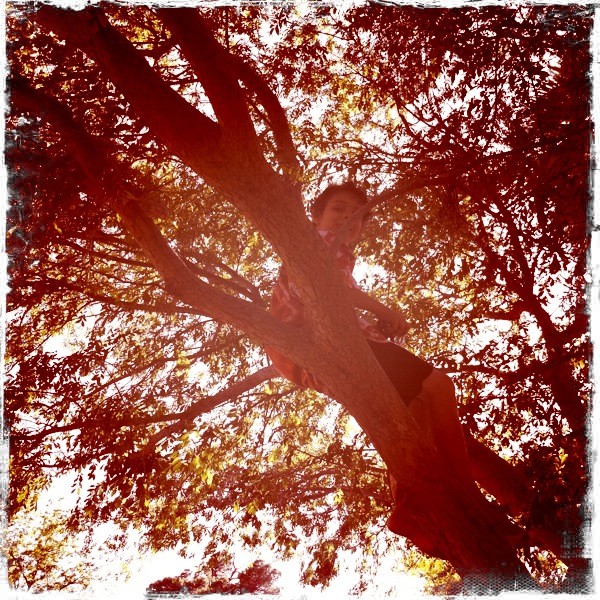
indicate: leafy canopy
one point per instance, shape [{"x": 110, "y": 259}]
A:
[{"x": 470, "y": 125}]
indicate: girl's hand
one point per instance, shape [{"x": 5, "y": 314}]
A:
[{"x": 392, "y": 323}]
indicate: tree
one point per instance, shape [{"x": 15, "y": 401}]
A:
[
  {"x": 259, "y": 578},
  {"x": 45, "y": 553},
  {"x": 217, "y": 574},
  {"x": 156, "y": 177},
  {"x": 36, "y": 550}
]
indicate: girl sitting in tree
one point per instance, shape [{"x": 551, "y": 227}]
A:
[{"x": 428, "y": 393}]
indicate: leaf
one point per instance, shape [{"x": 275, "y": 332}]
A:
[{"x": 207, "y": 476}]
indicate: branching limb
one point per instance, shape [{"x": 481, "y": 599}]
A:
[
  {"x": 154, "y": 307},
  {"x": 277, "y": 119},
  {"x": 187, "y": 129},
  {"x": 210, "y": 61},
  {"x": 106, "y": 178},
  {"x": 183, "y": 419},
  {"x": 236, "y": 283},
  {"x": 221, "y": 84}
]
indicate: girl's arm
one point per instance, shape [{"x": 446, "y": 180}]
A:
[{"x": 398, "y": 325}]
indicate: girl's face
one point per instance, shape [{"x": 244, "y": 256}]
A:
[{"x": 337, "y": 211}]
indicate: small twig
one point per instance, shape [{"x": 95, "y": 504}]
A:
[{"x": 186, "y": 418}]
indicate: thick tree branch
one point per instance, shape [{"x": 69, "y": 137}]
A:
[
  {"x": 194, "y": 134},
  {"x": 277, "y": 118},
  {"x": 255, "y": 186},
  {"x": 212, "y": 64},
  {"x": 106, "y": 177}
]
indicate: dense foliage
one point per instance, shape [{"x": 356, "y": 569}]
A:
[
  {"x": 219, "y": 576},
  {"x": 470, "y": 126}
]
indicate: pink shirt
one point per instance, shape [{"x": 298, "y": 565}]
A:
[{"x": 287, "y": 306}]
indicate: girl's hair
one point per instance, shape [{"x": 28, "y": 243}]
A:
[{"x": 320, "y": 202}]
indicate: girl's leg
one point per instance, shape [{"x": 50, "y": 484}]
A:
[
  {"x": 439, "y": 396},
  {"x": 438, "y": 392}
]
